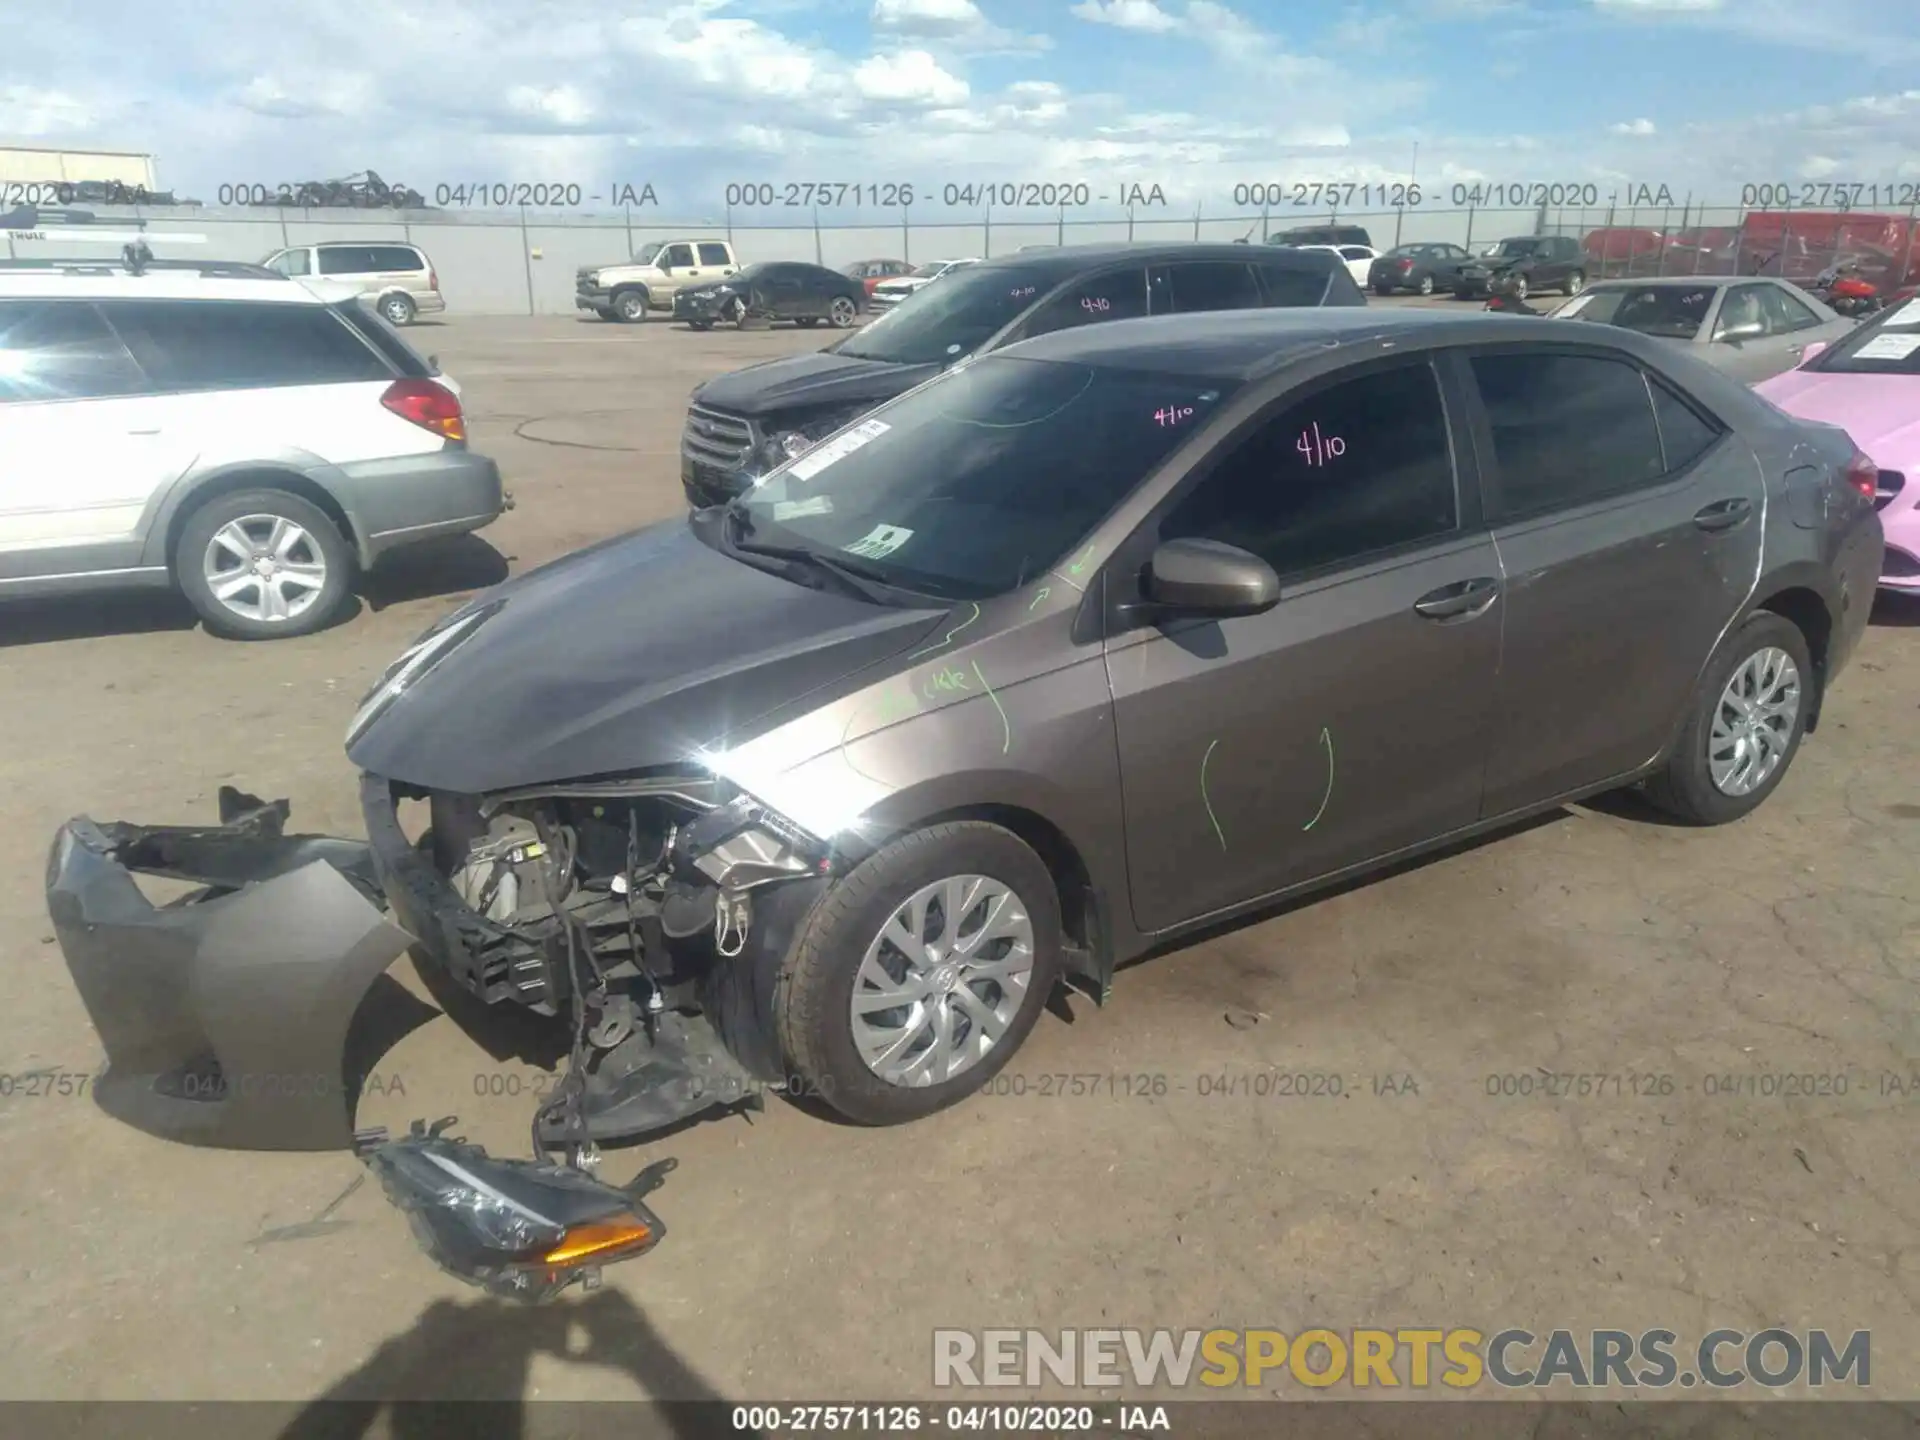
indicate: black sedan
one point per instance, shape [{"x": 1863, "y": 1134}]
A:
[
  {"x": 1422, "y": 267},
  {"x": 779, "y": 291}
]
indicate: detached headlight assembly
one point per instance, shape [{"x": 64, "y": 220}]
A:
[{"x": 516, "y": 1228}]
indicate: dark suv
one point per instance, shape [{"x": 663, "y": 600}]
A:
[
  {"x": 741, "y": 425},
  {"x": 1525, "y": 265}
]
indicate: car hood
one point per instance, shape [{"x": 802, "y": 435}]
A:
[
  {"x": 632, "y": 653},
  {"x": 1876, "y": 411},
  {"x": 815, "y": 380}
]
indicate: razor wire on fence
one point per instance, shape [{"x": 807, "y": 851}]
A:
[{"x": 526, "y": 261}]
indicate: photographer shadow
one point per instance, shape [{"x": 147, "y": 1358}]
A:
[{"x": 463, "y": 1370}]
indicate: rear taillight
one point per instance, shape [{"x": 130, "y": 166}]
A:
[
  {"x": 1406, "y": 264},
  {"x": 1863, "y": 475},
  {"x": 430, "y": 406},
  {"x": 433, "y": 280}
]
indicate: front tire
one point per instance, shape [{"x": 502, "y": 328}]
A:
[
  {"x": 630, "y": 306},
  {"x": 891, "y": 1008},
  {"x": 263, "y": 565},
  {"x": 1748, "y": 717}
]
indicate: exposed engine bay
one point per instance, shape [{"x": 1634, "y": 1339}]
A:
[{"x": 617, "y": 905}]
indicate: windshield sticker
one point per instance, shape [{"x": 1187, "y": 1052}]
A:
[
  {"x": 1908, "y": 313},
  {"x": 1172, "y": 415},
  {"x": 800, "y": 509},
  {"x": 838, "y": 448},
  {"x": 1888, "y": 347},
  {"x": 879, "y": 542}
]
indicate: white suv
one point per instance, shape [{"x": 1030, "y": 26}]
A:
[{"x": 246, "y": 439}]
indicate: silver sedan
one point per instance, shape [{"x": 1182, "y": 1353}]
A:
[{"x": 1750, "y": 327}]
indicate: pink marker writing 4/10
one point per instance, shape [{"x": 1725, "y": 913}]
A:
[
  {"x": 1319, "y": 448},
  {"x": 1173, "y": 414}
]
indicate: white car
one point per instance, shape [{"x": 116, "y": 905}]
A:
[
  {"x": 249, "y": 440},
  {"x": 889, "y": 293},
  {"x": 1359, "y": 259}
]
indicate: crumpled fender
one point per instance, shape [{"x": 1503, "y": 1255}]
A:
[{"x": 224, "y": 1016}]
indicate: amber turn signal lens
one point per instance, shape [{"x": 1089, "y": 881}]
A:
[{"x": 601, "y": 1240}]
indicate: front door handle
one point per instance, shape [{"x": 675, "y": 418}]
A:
[
  {"x": 1724, "y": 514},
  {"x": 1463, "y": 599}
]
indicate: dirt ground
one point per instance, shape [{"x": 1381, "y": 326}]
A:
[{"x": 809, "y": 1259}]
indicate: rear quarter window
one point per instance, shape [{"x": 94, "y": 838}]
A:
[{"x": 242, "y": 345}]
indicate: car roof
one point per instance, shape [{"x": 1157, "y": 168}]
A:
[
  {"x": 1668, "y": 282},
  {"x": 1058, "y": 263},
  {"x": 108, "y": 283},
  {"x": 1248, "y": 344},
  {"x": 351, "y": 244}
]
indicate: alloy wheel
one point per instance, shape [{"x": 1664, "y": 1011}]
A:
[
  {"x": 943, "y": 981},
  {"x": 842, "y": 312},
  {"x": 1753, "y": 722},
  {"x": 264, "y": 567}
]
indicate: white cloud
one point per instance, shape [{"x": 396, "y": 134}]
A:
[
  {"x": 1653, "y": 6},
  {"x": 1642, "y": 126},
  {"x": 909, "y": 76},
  {"x": 31, "y": 112},
  {"x": 1126, "y": 14},
  {"x": 960, "y": 24}
]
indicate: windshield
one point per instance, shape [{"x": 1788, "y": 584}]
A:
[
  {"x": 1888, "y": 344},
  {"x": 1671, "y": 311},
  {"x": 644, "y": 255},
  {"x": 927, "y": 272},
  {"x": 1511, "y": 249},
  {"x": 984, "y": 478},
  {"x": 948, "y": 321}
]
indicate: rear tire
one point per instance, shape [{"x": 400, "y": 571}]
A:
[
  {"x": 398, "y": 309},
  {"x": 1576, "y": 282},
  {"x": 222, "y": 547},
  {"x": 1700, "y": 783},
  {"x": 844, "y": 956},
  {"x": 842, "y": 313},
  {"x": 1425, "y": 287}
]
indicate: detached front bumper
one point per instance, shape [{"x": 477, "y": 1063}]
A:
[{"x": 224, "y": 1015}]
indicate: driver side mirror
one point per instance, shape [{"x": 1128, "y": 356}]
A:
[{"x": 1207, "y": 577}]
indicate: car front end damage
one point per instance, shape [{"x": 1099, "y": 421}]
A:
[{"x": 646, "y": 912}]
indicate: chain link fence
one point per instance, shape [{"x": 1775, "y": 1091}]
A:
[{"x": 524, "y": 262}]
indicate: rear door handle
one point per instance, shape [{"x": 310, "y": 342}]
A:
[
  {"x": 1724, "y": 514},
  {"x": 1460, "y": 600}
]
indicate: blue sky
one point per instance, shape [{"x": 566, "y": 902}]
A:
[{"x": 1194, "y": 95}]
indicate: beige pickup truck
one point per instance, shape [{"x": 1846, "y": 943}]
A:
[{"x": 648, "y": 282}]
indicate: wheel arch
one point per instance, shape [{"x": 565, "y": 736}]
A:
[
  {"x": 165, "y": 533},
  {"x": 1808, "y": 611},
  {"x": 1085, "y": 928}
]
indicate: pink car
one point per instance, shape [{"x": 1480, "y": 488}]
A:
[{"x": 1869, "y": 385}]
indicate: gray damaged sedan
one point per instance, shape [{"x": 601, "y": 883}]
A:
[{"x": 1068, "y": 652}]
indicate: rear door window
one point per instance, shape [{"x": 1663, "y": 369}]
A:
[
  {"x": 1293, "y": 285},
  {"x": 715, "y": 255},
  {"x": 1567, "y": 429},
  {"x": 347, "y": 260},
  {"x": 242, "y": 345},
  {"x": 62, "y": 350},
  {"x": 1185, "y": 289}
]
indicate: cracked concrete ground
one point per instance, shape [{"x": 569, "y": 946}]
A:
[{"x": 809, "y": 1259}]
